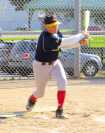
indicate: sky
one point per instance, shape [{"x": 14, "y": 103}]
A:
[{"x": 9, "y": 18}]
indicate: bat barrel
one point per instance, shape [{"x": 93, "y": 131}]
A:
[{"x": 86, "y": 19}]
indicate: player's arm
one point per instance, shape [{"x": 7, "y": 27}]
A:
[{"x": 73, "y": 41}]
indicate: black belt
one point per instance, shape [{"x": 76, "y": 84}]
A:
[{"x": 47, "y": 63}]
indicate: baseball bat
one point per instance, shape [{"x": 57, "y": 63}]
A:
[
  {"x": 86, "y": 25},
  {"x": 86, "y": 20}
]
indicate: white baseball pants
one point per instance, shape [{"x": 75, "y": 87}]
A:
[{"x": 42, "y": 74}]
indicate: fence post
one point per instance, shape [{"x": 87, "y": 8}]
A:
[{"x": 77, "y": 17}]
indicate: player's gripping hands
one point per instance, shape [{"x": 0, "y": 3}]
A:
[{"x": 84, "y": 41}]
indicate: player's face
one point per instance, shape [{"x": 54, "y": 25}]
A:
[{"x": 53, "y": 29}]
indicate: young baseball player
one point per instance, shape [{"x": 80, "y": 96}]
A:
[{"x": 47, "y": 64}]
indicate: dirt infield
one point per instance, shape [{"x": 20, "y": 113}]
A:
[{"x": 84, "y": 108}]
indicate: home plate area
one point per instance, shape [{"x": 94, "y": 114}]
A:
[
  {"x": 7, "y": 115},
  {"x": 37, "y": 112},
  {"x": 4, "y": 115}
]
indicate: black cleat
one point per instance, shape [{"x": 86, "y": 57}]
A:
[
  {"x": 30, "y": 105},
  {"x": 59, "y": 113}
]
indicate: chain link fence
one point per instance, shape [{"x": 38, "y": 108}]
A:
[
  {"x": 20, "y": 26},
  {"x": 96, "y": 44}
]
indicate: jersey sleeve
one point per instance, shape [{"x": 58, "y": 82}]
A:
[{"x": 72, "y": 41}]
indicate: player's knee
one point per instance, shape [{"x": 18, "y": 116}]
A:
[{"x": 63, "y": 83}]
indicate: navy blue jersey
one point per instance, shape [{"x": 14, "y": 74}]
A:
[{"x": 48, "y": 46}]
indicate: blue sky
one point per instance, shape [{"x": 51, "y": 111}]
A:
[
  {"x": 90, "y": 4},
  {"x": 11, "y": 19}
]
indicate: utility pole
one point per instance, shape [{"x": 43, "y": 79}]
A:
[{"x": 77, "y": 16}]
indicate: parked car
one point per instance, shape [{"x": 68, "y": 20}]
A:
[
  {"x": 90, "y": 64},
  {"x": 95, "y": 28},
  {"x": 23, "y": 54},
  {"x": 5, "y": 49}
]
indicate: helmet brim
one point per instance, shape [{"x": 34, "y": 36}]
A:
[{"x": 52, "y": 24}]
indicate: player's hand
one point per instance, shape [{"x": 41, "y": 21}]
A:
[
  {"x": 83, "y": 42},
  {"x": 86, "y": 34}
]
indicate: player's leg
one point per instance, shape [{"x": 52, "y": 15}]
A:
[
  {"x": 41, "y": 74},
  {"x": 59, "y": 74}
]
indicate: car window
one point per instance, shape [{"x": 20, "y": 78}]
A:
[
  {"x": 67, "y": 51},
  {"x": 71, "y": 51},
  {"x": 6, "y": 45},
  {"x": 2, "y": 45},
  {"x": 25, "y": 46}
]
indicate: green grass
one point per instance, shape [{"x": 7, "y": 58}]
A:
[
  {"x": 94, "y": 41},
  {"x": 16, "y": 38},
  {"x": 27, "y": 37},
  {"x": 97, "y": 41}
]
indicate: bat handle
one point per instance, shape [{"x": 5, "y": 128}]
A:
[{"x": 86, "y": 29}]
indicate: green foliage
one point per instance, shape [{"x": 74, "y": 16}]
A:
[
  {"x": 97, "y": 41},
  {"x": 19, "y": 4},
  {"x": 16, "y": 38},
  {"x": 99, "y": 16}
]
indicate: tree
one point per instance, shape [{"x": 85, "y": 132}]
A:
[
  {"x": 19, "y": 4},
  {"x": 100, "y": 17}
]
